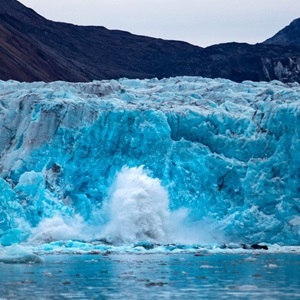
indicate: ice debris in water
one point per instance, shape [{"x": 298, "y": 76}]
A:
[
  {"x": 226, "y": 152},
  {"x": 17, "y": 254}
]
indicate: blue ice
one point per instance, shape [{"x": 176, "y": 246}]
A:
[{"x": 219, "y": 157}]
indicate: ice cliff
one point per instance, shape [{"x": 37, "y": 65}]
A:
[{"x": 228, "y": 152}]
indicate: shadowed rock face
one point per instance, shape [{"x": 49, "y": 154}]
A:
[{"x": 33, "y": 48}]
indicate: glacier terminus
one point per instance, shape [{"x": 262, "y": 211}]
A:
[{"x": 125, "y": 161}]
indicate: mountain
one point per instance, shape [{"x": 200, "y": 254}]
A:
[
  {"x": 33, "y": 48},
  {"x": 288, "y": 36}
]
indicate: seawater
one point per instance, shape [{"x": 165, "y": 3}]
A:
[{"x": 155, "y": 276}]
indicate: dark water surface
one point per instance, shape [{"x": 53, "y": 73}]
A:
[{"x": 154, "y": 276}]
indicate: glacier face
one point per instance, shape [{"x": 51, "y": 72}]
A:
[{"x": 228, "y": 152}]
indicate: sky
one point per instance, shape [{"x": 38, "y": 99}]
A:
[{"x": 199, "y": 22}]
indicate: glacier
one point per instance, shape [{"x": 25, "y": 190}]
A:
[{"x": 215, "y": 155}]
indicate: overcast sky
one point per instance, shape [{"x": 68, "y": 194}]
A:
[{"x": 199, "y": 22}]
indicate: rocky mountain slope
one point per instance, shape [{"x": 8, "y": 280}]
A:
[
  {"x": 33, "y": 48},
  {"x": 288, "y": 36}
]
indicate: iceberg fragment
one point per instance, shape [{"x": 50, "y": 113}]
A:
[{"x": 18, "y": 254}]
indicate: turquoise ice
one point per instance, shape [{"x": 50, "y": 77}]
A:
[{"x": 227, "y": 153}]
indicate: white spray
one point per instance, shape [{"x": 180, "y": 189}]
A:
[{"x": 138, "y": 208}]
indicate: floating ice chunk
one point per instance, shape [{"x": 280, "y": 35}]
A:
[
  {"x": 250, "y": 259},
  {"x": 206, "y": 267},
  {"x": 271, "y": 266},
  {"x": 17, "y": 254}
]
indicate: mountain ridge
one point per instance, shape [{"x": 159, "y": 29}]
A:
[
  {"x": 288, "y": 36},
  {"x": 34, "y": 48}
]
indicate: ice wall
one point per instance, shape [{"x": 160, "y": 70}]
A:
[{"x": 228, "y": 152}]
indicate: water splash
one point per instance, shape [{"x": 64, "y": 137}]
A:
[
  {"x": 60, "y": 228},
  {"x": 138, "y": 208}
]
